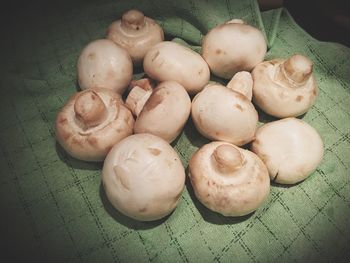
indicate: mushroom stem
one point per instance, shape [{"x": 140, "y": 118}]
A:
[
  {"x": 227, "y": 159},
  {"x": 235, "y": 21},
  {"x": 137, "y": 98},
  {"x": 145, "y": 83},
  {"x": 242, "y": 82},
  {"x": 295, "y": 71},
  {"x": 133, "y": 20},
  {"x": 89, "y": 109}
]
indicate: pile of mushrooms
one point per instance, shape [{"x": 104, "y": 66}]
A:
[{"x": 142, "y": 174}]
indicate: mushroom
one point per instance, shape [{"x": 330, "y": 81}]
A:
[
  {"x": 284, "y": 88},
  {"x": 220, "y": 113},
  {"x": 228, "y": 180},
  {"x": 144, "y": 83},
  {"x": 103, "y": 64},
  {"x": 290, "y": 148},
  {"x": 242, "y": 82},
  {"x": 232, "y": 47},
  {"x": 136, "y": 33},
  {"x": 162, "y": 112},
  {"x": 173, "y": 61},
  {"x": 143, "y": 177},
  {"x": 91, "y": 122}
]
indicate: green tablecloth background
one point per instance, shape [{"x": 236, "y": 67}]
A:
[{"x": 53, "y": 208}]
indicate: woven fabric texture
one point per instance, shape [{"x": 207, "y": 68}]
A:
[{"x": 53, "y": 208}]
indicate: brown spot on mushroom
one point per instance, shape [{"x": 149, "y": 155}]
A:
[
  {"x": 222, "y": 202},
  {"x": 153, "y": 101},
  {"x": 314, "y": 92},
  {"x": 155, "y": 55},
  {"x": 62, "y": 120},
  {"x": 91, "y": 55},
  {"x": 143, "y": 209},
  {"x": 154, "y": 151},
  {"x": 200, "y": 72},
  {"x": 77, "y": 141},
  {"x": 65, "y": 135},
  {"x": 240, "y": 96},
  {"x": 119, "y": 130},
  {"x": 239, "y": 107},
  {"x": 299, "y": 98},
  {"x": 92, "y": 140},
  {"x": 218, "y": 51}
]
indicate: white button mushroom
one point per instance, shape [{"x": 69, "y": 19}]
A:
[
  {"x": 136, "y": 33},
  {"x": 91, "y": 122},
  {"x": 229, "y": 180},
  {"x": 103, "y": 64},
  {"x": 284, "y": 88},
  {"x": 172, "y": 61},
  {"x": 162, "y": 112},
  {"x": 232, "y": 47},
  {"x": 143, "y": 177},
  {"x": 220, "y": 113},
  {"x": 290, "y": 148},
  {"x": 242, "y": 82}
]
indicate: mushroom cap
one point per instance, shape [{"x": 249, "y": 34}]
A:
[
  {"x": 172, "y": 61},
  {"x": 228, "y": 180},
  {"x": 284, "y": 88},
  {"x": 103, "y": 64},
  {"x": 290, "y": 148},
  {"x": 143, "y": 177},
  {"x": 136, "y": 33},
  {"x": 220, "y": 113},
  {"x": 165, "y": 112},
  {"x": 242, "y": 82},
  {"x": 232, "y": 47},
  {"x": 91, "y": 122}
]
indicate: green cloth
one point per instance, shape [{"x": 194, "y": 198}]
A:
[{"x": 53, "y": 208}]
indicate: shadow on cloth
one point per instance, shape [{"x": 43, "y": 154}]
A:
[
  {"x": 125, "y": 220},
  {"x": 193, "y": 135},
  {"x": 75, "y": 163}
]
